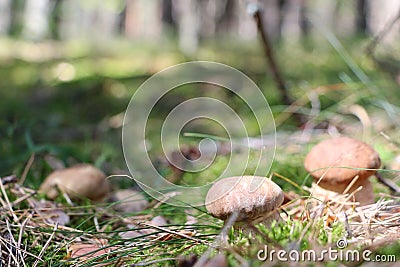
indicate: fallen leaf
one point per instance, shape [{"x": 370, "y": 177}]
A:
[
  {"x": 158, "y": 221},
  {"x": 83, "y": 252},
  {"x": 50, "y": 212}
]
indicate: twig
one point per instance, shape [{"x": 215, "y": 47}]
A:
[
  {"x": 4, "y": 241},
  {"x": 258, "y": 16},
  {"x": 23, "y": 198},
  {"x": 255, "y": 11},
  {"x": 96, "y": 222},
  {"x": 349, "y": 233},
  {"x": 8, "y": 202},
  {"x": 392, "y": 186},
  {"x": 9, "y": 247},
  {"x": 387, "y": 137},
  {"x": 9, "y": 179},
  {"x": 346, "y": 200},
  {"x": 27, "y": 168},
  {"x": 18, "y": 249},
  {"x": 374, "y": 42},
  {"x": 21, "y": 232},
  {"x": 312, "y": 222},
  {"x": 350, "y": 185},
  {"x": 173, "y": 232}
]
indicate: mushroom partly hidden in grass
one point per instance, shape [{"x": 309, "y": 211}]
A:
[
  {"x": 77, "y": 182},
  {"x": 254, "y": 199},
  {"x": 336, "y": 162}
]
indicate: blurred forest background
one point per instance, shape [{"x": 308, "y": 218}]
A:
[
  {"x": 69, "y": 68},
  {"x": 190, "y": 21}
]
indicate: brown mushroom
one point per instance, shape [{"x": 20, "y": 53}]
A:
[
  {"x": 335, "y": 162},
  {"x": 78, "y": 182},
  {"x": 255, "y": 199}
]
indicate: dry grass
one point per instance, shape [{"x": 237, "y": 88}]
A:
[{"x": 33, "y": 234}]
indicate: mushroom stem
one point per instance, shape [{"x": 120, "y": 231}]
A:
[
  {"x": 325, "y": 191},
  {"x": 366, "y": 195},
  {"x": 269, "y": 218},
  {"x": 249, "y": 226}
]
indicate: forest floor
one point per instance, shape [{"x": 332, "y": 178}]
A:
[{"x": 63, "y": 104}]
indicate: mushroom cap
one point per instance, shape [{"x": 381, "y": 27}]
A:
[
  {"x": 335, "y": 159},
  {"x": 250, "y": 196},
  {"x": 80, "y": 181}
]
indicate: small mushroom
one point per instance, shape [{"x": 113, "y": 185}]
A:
[
  {"x": 336, "y": 162},
  {"x": 254, "y": 198},
  {"x": 78, "y": 182}
]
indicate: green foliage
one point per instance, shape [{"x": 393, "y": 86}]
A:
[
  {"x": 389, "y": 250},
  {"x": 285, "y": 234}
]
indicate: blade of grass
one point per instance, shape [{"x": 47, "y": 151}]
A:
[
  {"x": 200, "y": 135},
  {"x": 360, "y": 74},
  {"x": 289, "y": 181}
]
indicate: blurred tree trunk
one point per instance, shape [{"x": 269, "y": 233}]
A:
[
  {"x": 16, "y": 22},
  {"x": 55, "y": 19},
  {"x": 142, "y": 19},
  {"x": 5, "y": 17},
  {"x": 282, "y": 8},
  {"x": 167, "y": 16},
  {"x": 169, "y": 24},
  {"x": 226, "y": 21},
  {"x": 362, "y": 16},
  {"x": 207, "y": 13},
  {"x": 187, "y": 13},
  {"x": 121, "y": 21},
  {"x": 303, "y": 20},
  {"x": 36, "y": 15},
  {"x": 210, "y": 15}
]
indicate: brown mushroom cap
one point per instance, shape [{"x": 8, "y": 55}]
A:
[
  {"x": 325, "y": 158},
  {"x": 80, "y": 181},
  {"x": 250, "y": 196}
]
